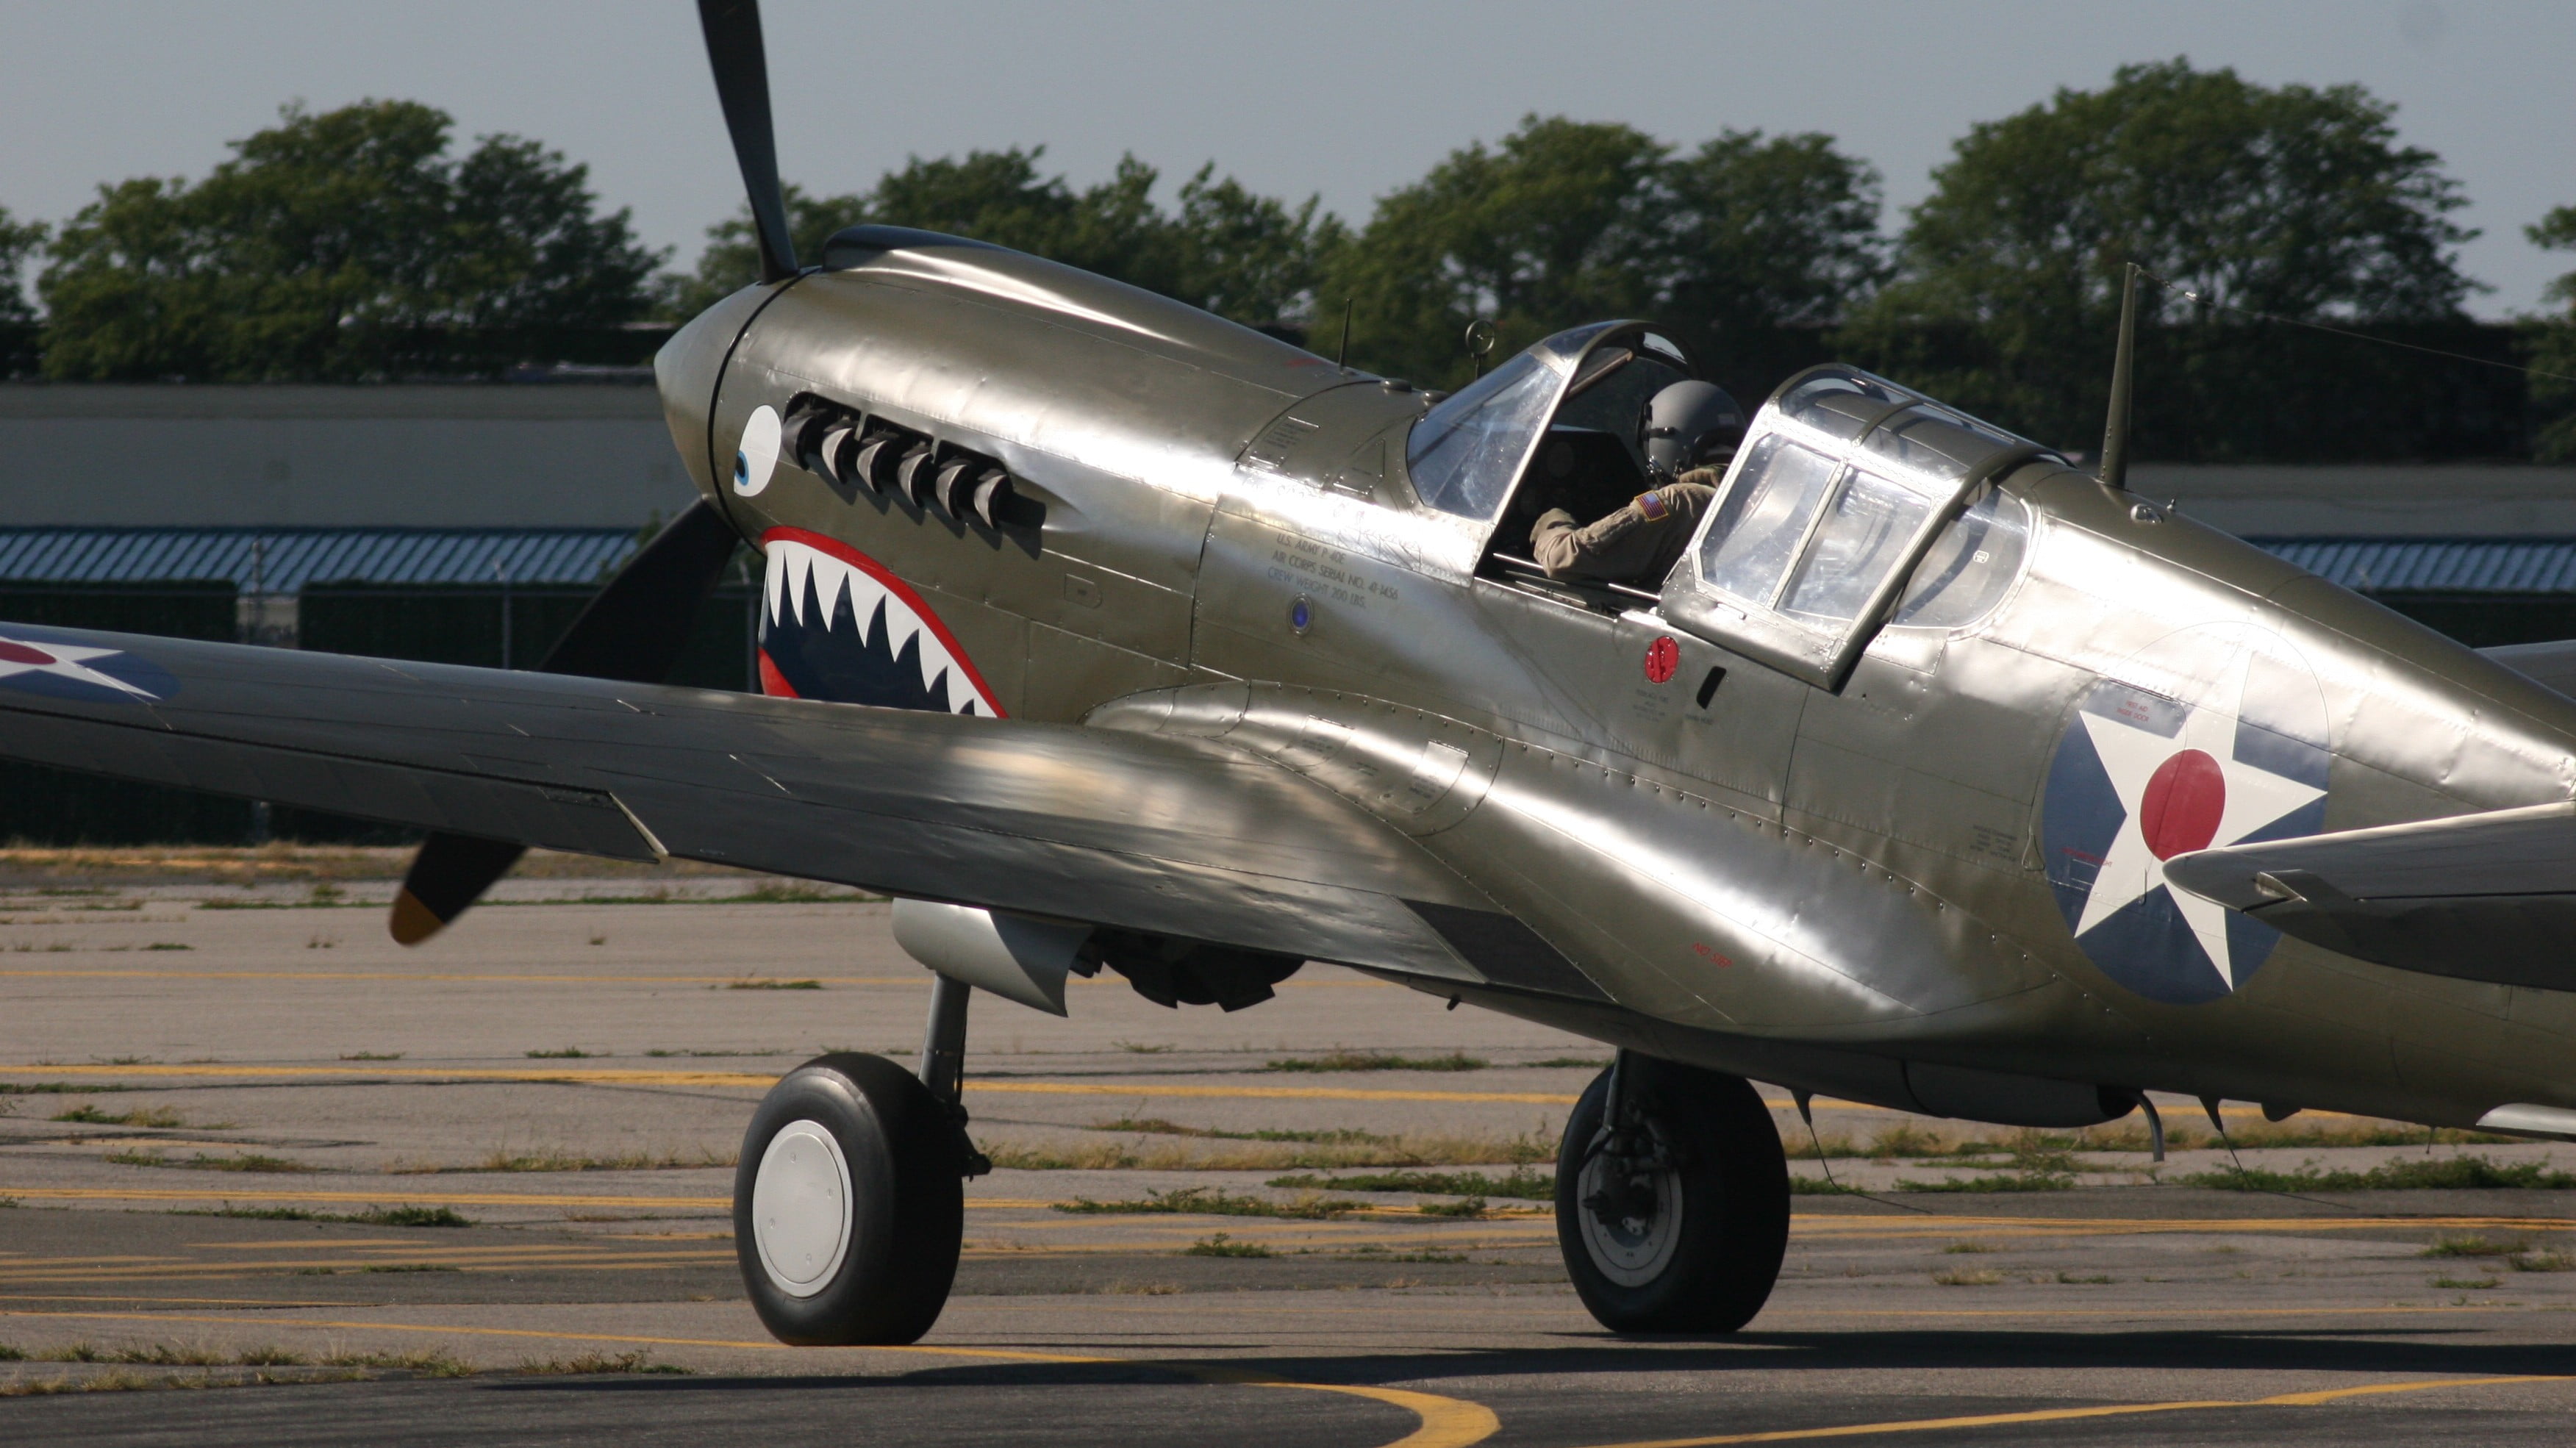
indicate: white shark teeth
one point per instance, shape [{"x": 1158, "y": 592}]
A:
[{"x": 793, "y": 565}]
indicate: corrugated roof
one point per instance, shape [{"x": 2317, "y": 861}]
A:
[
  {"x": 2435, "y": 565},
  {"x": 285, "y": 560}
]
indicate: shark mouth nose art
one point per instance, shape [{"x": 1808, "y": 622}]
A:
[{"x": 837, "y": 625}]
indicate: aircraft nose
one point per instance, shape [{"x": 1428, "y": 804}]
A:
[{"x": 687, "y": 372}]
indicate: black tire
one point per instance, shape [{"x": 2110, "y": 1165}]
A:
[
  {"x": 1714, "y": 1222},
  {"x": 883, "y": 1275}
]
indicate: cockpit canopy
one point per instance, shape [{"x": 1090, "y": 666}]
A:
[
  {"x": 1466, "y": 453},
  {"x": 1838, "y": 516}
]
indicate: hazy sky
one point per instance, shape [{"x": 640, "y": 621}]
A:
[{"x": 1340, "y": 98}]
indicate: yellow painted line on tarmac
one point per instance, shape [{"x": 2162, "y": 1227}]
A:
[
  {"x": 2063, "y": 1415},
  {"x": 262, "y": 1302},
  {"x": 1445, "y": 1422},
  {"x": 619, "y": 1076},
  {"x": 447, "y": 1199},
  {"x": 1888, "y": 1225},
  {"x": 441, "y": 978}
]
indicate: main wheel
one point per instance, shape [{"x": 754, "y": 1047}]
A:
[
  {"x": 848, "y": 1205},
  {"x": 1675, "y": 1217}
]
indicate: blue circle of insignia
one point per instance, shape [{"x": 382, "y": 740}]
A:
[
  {"x": 1301, "y": 614},
  {"x": 2142, "y": 937}
]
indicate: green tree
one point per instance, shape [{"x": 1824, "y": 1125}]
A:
[
  {"x": 2555, "y": 351},
  {"x": 1732, "y": 245},
  {"x": 1242, "y": 255},
  {"x": 1560, "y": 222},
  {"x": 1768, "y": 241},
  {"x": 336, "y": 246},
  {"x": 2292, "y": 200},
  {"x": 18, "y": 241}
]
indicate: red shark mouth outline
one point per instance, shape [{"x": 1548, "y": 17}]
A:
[{"x": 775, "y": 683}]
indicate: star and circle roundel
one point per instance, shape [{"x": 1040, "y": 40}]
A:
[
  {"x": 39, "y": 661},
  {"x": 2212, "y": 738}
]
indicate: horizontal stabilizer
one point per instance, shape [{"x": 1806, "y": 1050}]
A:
[
  {"x": 2487, "y": 897},
  {"x": 2552, "y": 665}
]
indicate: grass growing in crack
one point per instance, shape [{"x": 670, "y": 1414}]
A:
[
  {"x": 1220, "y": 1245},
  {"x": 373, "y": 1056},
  {"x": 1380, "y": 1061},
  {"x": 2542, "y": 1262},
  {"x": 140, "y": 1116},
  {"x": 2072, "y": 1280},
  {"x": 2471, "y": 1247},
  {"x": 251, "y": 1161},
  {"x": 1372, "y": 1253},
  {"x": 1470, "y": 1208},
  {"x": 2035, "y": 1163},
  {"x": 765, "y": 984},
  {"x": 1960, "y": 1277},
  {"x": 409, "y": 1267},
  {"x": 2458, "y": 1173},
  {"x": 1521, "y": 1185},
  {"x": 1807, "y": 1186},
  {"x": 432, "y": 1362},
  {"x": 558, "y": 1159},
  {"x": 371, "y": 1217},
  {"x": 592, "y": 1362},
  {"x": 2472, "y": 1283},
  {"x": 568, "y": 1053},
  {"x": 1210, "y": 1202},
  {"x": 1263, "y": 1150},
  {"x": 1957, "y": 1248}
]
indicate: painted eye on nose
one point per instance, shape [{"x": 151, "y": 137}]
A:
[{"x": 757, "y": 458}]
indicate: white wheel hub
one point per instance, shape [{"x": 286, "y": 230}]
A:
[
  {"x": 800, "y": 1208},
  {"x": 1630, "y": 1251}
]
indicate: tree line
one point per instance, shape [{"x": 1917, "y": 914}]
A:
[{"x": 359, "y": 244}]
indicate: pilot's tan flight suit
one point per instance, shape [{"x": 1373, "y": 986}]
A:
[{"x": 1636, "y": 545}]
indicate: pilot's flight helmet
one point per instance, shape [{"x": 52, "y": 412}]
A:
[{"x": 1690, "y": 425}]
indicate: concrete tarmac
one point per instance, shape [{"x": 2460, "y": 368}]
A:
[{"x": 219, "y": 1125}]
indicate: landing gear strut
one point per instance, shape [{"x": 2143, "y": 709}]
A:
[
  {"x": 848, "y": 1202},
  {"x": 1672, "y": 1198}
]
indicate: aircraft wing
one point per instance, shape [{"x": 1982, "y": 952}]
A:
[
  {"x": 1164, "y": 835},
  {"x": 2488, "y": 897}
]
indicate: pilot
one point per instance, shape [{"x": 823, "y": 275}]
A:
[{"x": 1689, "y": 432}]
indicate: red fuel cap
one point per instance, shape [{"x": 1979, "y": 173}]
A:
[{"x": 1662, "y": 657}]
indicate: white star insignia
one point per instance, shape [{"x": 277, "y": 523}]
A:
[
  {"x": 63, "y": 661},
  {"x": 2248, "y": 799}
]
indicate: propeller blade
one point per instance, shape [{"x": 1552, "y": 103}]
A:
[
  {"x": 634, "y": 631},
  {"x": 742, "y": 83}
]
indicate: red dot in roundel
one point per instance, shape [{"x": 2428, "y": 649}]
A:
[
  {"x": 2185, "y": 797},
  {"x": 1662, "y": 657},
  {"x": 14, "y": 652}
]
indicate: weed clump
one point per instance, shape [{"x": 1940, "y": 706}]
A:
[
  {"x": 1380, "y": 1061},
  {"x": 1218, "y": 1244},
  {"x": 1211, "y": 1202},
  {"x": 2457, "y": 1173}
]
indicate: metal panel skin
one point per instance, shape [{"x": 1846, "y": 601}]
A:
[{"x": 1310, "y": 724}]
